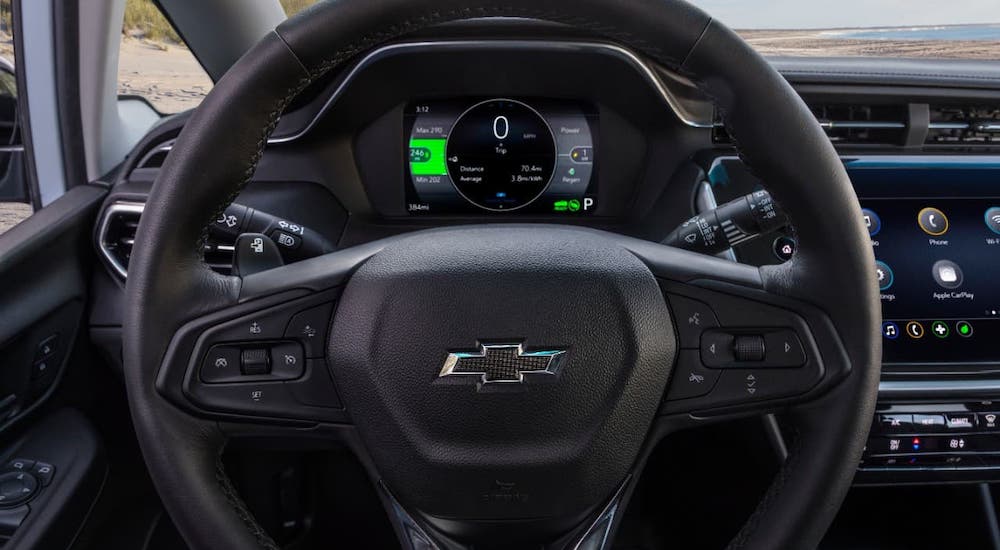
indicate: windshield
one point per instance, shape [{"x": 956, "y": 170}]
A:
[{"x": 963, "y": 29}]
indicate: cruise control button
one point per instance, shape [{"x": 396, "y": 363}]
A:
[
  {"x": 692, "y": 318},
  {"x": 255, "y": 361},
  {"x": 258, "y": 399},
  {"x": 287, "y": 361},
  {"x": 260, "y": 326},
  {"x": 311, "y": 328},
  {"x": 221, "y": 364}
]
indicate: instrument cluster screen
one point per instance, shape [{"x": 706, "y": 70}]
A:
[{"x": 500, "y": 156}]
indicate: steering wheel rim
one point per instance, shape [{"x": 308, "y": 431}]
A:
[{"x": 169, "y": 285}]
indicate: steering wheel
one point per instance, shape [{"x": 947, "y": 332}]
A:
[{"x": 489, "y": 410}]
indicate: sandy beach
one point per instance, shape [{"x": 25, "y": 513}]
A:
[
  {"x": 170, "y": 77},
  {"x": 820, "y": 43},
  {"x": 167, "y": 75}
]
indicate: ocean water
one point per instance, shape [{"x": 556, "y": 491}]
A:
[{"x": 951, "y": 32}]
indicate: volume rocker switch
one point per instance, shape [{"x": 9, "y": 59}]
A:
[{"x": 749, "y": 348}]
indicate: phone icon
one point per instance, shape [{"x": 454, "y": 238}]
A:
[{"x": 932, "y": 221}]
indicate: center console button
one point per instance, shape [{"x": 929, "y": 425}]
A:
[
  {"x": 929, "y": 422},
  {"x": 960, "y": 421},
  {"x": 891, "y": 445},
  {"x": 989, "y": 421},
  {"x": 692, "y": 318},
  {"x": 895, "y": 423}
]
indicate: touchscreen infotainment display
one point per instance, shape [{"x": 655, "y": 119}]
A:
[
  {"x": 934, "y": 224},
  {"x": 935, "y": 231},
  {"x": 501, "y": 156}
]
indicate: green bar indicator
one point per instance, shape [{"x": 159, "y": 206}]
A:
[{"x": 427, "y": 157}]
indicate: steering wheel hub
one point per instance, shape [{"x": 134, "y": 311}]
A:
[{"x": 502, "y": 372}]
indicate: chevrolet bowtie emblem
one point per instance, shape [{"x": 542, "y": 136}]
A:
[{"x": 502, "y": 363}]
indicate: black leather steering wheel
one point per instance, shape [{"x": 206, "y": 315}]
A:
[{"x": 543, "y": 463}]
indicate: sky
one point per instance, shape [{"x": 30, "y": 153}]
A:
[{"x": 800, "y": 14}]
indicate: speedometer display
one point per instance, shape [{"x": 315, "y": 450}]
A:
[{"x": 500, "y": 155}]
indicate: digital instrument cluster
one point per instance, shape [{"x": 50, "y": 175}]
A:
[{"x": 500, "y": 156}]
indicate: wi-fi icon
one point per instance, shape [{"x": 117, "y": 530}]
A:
[{"x": 993, "y": 219}]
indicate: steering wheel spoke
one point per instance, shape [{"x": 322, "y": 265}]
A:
[
  {"x": 260, "y": 361},
  {"x": 742, "y": 349}
]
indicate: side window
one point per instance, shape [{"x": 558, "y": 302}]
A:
[
  {"x": 155, "y": 64},
  {"x": 15, "y": 197}
]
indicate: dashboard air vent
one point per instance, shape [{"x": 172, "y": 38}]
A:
[
  {"x": 964, "y": 126},
  {"x": 852, "y": 124},
  {"x": 116, "y": 238}
]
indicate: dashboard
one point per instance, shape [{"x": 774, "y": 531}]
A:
[{"x": 467, "y": 128}]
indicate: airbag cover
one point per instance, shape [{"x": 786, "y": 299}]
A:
[{"x": 554, "y": 446}]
